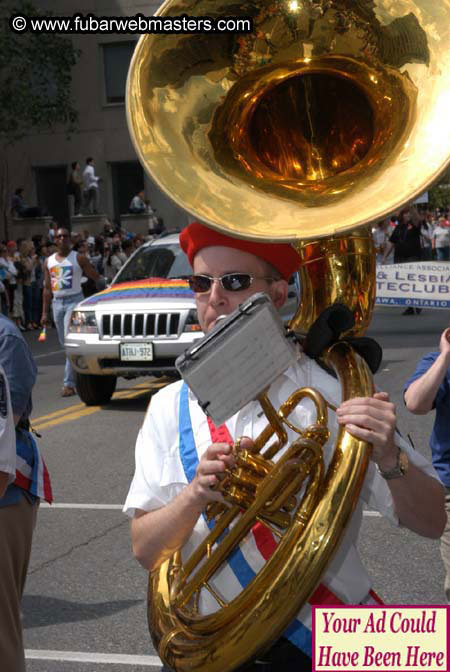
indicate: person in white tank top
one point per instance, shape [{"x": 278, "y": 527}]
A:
[
  {"x": 62, "y": 283},
  {"x": 65, "y": 274}
]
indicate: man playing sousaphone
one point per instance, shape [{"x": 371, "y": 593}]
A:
[{"x": 181, "y": 455}]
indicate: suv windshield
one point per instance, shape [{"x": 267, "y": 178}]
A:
[{"x": 156, "y": 261}]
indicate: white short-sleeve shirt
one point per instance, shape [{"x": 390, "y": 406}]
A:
[{"x": 159, "y": 475}]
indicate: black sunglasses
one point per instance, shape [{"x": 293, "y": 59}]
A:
[
  {"x": 231, "y": 282},
  {"x": 63, "y": 235}
]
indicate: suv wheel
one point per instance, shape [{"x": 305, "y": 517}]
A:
[{"x": 95, "y": 390}]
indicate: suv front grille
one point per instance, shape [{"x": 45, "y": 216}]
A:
[{"x": 140, "y": 324}]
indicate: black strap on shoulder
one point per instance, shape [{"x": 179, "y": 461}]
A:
[
  {"x": 369, "y": 349},
  {"x": 327, "y": 329}
]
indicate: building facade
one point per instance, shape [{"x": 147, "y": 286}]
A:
[{"x": 41, "y": 162}]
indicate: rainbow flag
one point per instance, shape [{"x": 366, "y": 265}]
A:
[{"x": 150, "y": 288}]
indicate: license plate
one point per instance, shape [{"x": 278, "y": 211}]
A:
[{"x": 136, "y": 352}]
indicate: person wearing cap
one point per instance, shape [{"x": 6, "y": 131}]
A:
[{"x": 180, "y": 455}]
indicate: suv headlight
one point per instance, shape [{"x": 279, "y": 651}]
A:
[
  {"x": 191, "y": 323},
  {"x": 83, "y": 322}
]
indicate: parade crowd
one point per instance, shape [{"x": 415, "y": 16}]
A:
[
  {"x": 181, "y": 456},
  {"x": 22, "y": 268},
  {"x": 413, "y": 236}
]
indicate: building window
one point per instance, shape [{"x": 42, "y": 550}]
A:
[
  {"x": 116, "y": 59},
  {"x": 127, "y": 181}
]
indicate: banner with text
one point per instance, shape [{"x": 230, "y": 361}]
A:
[
  {"x": 423, "y": 284},
  {"x": 374, "y": 639}
]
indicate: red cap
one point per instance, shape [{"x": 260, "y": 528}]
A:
[{"x": 282, "y": 256}]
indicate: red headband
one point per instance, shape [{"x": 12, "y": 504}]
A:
[{"x": 282, "y": 256}]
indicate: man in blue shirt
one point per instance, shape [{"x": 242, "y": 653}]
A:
[
  {"x": 428, "y": 389},
  {"x": 19, "y": 503}
]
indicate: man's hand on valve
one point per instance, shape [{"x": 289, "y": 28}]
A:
[
  {"x": 372, "y": 419},
  {"x": 210, "y": 471}
]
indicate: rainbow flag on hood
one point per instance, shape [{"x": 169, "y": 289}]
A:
[{"x": 150, "y": 288}]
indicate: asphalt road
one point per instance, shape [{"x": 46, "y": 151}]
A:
[{"x": 85, "y": 602}]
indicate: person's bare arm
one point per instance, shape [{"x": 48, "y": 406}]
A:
[
  {"x": 420, "y": 395},
  {"x": 418, "y": 498},
  {"x": 91, "y": 272},
  {"x": 88, "y": 269},
  {"x": 46, "y": 295},
  {"x": 156, "y": 535}
]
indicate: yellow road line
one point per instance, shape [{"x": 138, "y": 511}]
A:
[
  {"x": 71, "y": 409},
  {"x": 88, "y": 410},
  {"x": 61, "y": 411},
  {"x": 77, "y": 411}
]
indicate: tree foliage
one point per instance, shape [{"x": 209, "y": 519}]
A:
[
  {"x": 439, "y": 194},
  {"x": 35, "y": 77}
]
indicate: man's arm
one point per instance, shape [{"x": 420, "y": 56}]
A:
[
  {"x": 418, "y": 498},
  {"x": 156, "y": 535},
  {"x": 88, "y": 269},
  {"x": 419, "y": 501},
  {"x": 46, "y": 295},
  {"x": 421, "y": 394}
]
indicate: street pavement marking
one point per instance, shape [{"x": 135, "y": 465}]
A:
[
  {"x": 109, "y": 507},
  {"x": 87, "y": 657},
  {"x": 60, "y": 411},
  {"x": 77, "y": 411},
  {"x": 75, "y": 407},
  {"x": 47, "y": 354},
  {"x": 66, "y": 418},
  {"x": 101, "y": 507}
]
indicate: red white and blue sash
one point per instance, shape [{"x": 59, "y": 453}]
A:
[
  {"x": 31, "y": 472},
  {"x": 247, "y": 559}
]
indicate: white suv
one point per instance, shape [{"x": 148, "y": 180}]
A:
[
  {"x": 137, "y": 326},
  {"x": 140, "y": 324}
]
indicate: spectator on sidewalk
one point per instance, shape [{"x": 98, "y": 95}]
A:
[
  {"x": 19, "y": 207},
  {"x": 5, "y": 276},
  {"x": 441, "y": 240},
  {"x": 405, "y": 240},
  {"x": 11, "y": 247},
  {"x": 127, "y": 248},
  {"x": 51, "y": 233},
  {"x": 26, "y": 251},
  {"x": 112, "y": 261},
  {"x": 4, "y": 298},
  {"x": 90, "y": 188},
  {"x": 139, "y": 204},
  {"x": 75, "y": 188}
]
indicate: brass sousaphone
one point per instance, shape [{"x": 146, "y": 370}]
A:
[{"x": 327, "y": 116}]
